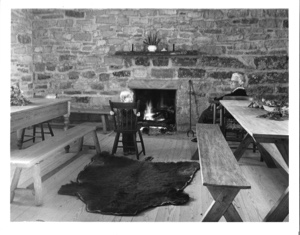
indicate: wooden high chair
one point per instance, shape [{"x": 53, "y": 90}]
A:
[{"x": 125, "y": 122}]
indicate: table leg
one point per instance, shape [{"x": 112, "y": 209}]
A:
[
  {"x": 283, "y": 147},
  {"x": 238, "y": 153},
  {"x": 20, "y": 133},
  {"x": 66, "y": 126},
  {"x": 280, "y": 210},
  {"x": 266, "y": 156}
]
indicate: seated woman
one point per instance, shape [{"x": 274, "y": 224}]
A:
[{"x": 237, "y": 83}]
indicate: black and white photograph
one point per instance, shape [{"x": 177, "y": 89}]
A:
[{"x": 181, "y": 114}]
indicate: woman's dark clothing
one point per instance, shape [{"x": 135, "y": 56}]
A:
[{"x": 207, "y": 115}]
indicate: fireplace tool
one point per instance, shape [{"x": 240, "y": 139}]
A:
[{"x": 192, "y": 90}]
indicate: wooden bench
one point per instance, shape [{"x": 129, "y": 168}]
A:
[
  {"x": 35, "y": 154},
  {"x": 272, "y": 151},
  {"x": 220, "y": 173},
  {"x": 103, "y": 113}
]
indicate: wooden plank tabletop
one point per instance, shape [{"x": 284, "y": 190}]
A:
[
  {"x": 37, "y": 103},
  {"x": 255, "y": 126}
]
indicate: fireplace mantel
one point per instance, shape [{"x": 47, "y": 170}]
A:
[
  {"x": 153, "y": 84},
  {"x": 159, "y": 54}
]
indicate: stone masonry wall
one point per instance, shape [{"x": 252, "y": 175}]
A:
[
  {"x": 72, "y": 52},
  {"x": 21, "y": 49}
]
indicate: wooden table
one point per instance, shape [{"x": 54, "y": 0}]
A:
[
  {"x": 40, "y": 110},
  {"x": 262, "y": 130}
]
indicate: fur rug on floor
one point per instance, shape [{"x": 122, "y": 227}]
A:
[{"x": 121, "y": 186}]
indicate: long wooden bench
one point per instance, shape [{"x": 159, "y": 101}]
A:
[
  {"x": 35, "y": 154},
  {"x": 220, "y": 173},
  {"x": 272, "y": 151},
  {"x": 103, "y": 113}
]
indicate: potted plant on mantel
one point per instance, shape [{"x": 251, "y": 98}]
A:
[{"x": 152, "y": 41}]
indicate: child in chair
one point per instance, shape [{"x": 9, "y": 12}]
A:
[{"x": 127, "y": 139}]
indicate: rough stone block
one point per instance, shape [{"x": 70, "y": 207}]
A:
[
  {"x": 97, "y": 86},
  {"x": 83, "y": 99},
  {"x": 24, "y": 39},
  {"x": 88, "y": 74},
  {"x": 115, "y": 41},
  {"x": 115, "y": 67},
  {"x": 67, "y": 57},
  {"x": 123, "y": 20},
  {"x": 83, "y": 36},
  {"x": 72, "y": 92},
  {"x": 128, "y": 62},
  {"x": 220, "y": 75},
  {"x": 113, "y": 60},
  {"x": 39, "y": 67},
  {"x": 163, "y": 73},
  {"x": 213, "y": 14},
  {"x": 237, "y": 13},
  {"x": 245, "y": 21},
  {"x": 268, "y": 78},
  {"x": 64, "y": 67},
  {"x": 285, "y": 24},
  {"x": 184, "y": 61},
  {"x": 65, "y": 85},
  {"x": 41, "y": 86},
  {"x": 260, "y": 90},
  {"x": 142, "y": 61},
  {"x": 271, "y": 62},
  {"x": 122, "y": 74},
  {"x": 103, "y": 77},
  {"x": 140, "y": 73},
  {"x": 73, "y": 75},
  {"x": 270, "y": 23},
  {"x": 43, "y": 76},
  {"x": 191, "y": 73},
  {"x": 160, "y": 61},
  {"x": 275, "y": 13},
  {"x": 223, "y": 62},
  {"x": 27, "y": 78},
  {"x": 106, "y": 20},
  {"x": 75, "y": 14},
  {"x": 274, "y": 44},
  {"x": 281, "y": 89}
]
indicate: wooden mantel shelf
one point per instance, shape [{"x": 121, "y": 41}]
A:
[{"x": 159, "y": 53}]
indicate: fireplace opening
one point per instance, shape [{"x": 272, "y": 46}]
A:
[{"x": 158, "y": 110}]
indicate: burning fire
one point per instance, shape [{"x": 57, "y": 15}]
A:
[{"x": 148, "y": 115}]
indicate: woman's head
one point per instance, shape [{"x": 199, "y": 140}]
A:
[
  {"x": 126, "y": 96},
  {"x": 237, "y": 80}
]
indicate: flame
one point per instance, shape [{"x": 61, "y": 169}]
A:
[{"x": 148, "y": 115}]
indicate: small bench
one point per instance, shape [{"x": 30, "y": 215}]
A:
[
  {"x": 103, "y": 113},
  {"x": 35, "y": 154},
  {"x": 220, "y": 173}
]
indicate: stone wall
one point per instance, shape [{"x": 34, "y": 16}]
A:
[
  {"x": 21, "y": 49},
  {"x": 72, "y": 53}
]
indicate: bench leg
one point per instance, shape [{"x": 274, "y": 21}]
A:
[
  {"x": 14, "y": 183},
  {"x": 96, "y": 142},
  {"x": 37, "y": 181},
  {"x": 280, "y": 210},
  {"x": 80, "y": 144},
  {"x": 222, "y": 205}
]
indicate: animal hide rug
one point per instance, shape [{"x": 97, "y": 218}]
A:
[{"x": 121, "y": 186}]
